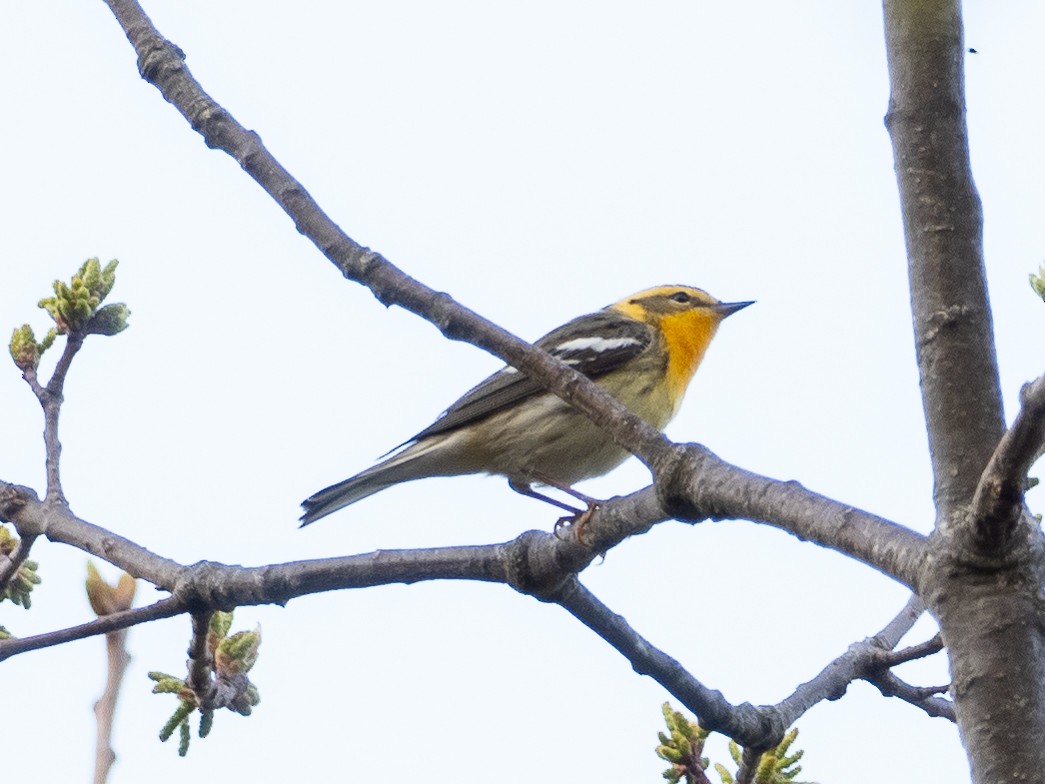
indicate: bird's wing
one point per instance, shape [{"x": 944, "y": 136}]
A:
[{"x": 593, "y": 345}]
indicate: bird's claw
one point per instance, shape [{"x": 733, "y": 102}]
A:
[{"x": 576, "y": 523}]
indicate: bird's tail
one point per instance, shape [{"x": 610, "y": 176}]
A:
[{"x": 414, "y": 462}]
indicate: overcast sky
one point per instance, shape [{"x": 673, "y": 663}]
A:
[{"x": 536, "y": 160}]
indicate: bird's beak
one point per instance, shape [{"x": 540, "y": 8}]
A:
[{"x": 729, "y": 308}]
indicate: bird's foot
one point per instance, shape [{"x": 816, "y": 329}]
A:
[
  {"x": 577, "y": 522},
  {"x": 576, "y": 519}
]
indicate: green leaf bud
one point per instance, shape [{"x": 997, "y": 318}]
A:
[{"x": 109, "y": 320}]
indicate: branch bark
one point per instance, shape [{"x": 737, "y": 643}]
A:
[
  {"x": 998, "y": 506},
  {"x": 943, "y": 226},
  {"x": 982, "y": 579},
  {"x": 694, "y": 483},
  {"x": 761, "y": 727},
  {"x": 165, "y": 608}
]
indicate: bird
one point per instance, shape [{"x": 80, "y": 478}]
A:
[{"x": 643, "y": 350}]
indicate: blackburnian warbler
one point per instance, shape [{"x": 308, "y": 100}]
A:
[{"x": 643, "y": 350}]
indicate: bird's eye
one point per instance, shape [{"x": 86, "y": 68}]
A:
[{"x": 680, "y": 297}]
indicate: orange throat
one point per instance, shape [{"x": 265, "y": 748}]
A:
[{"x": 688, "y": 336}]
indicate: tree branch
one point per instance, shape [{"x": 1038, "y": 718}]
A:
[
  {"x": 987, "y": 602},
  {"x": 749, "y": 759},
  {"x": 747, "y": 725},
  {"x": 998, "y": 505},
  {"x": 923, "y": 697},
  {"x": 889, "y": 637},
  {"x": 51, "y": 398},
  {"x": 32, "y": 517},
  {"x": 756, "y": 728},
  {"x": 534, "y": 563},
  {"x": 117, "y": 660},
  {"x": 105, "y": 600},
  {"x": 919, "y": 651},
  {"x": 200, "y": 661},
  {"x": 694, "y": 483},
  {"x": 166, "y": 608},
  {"x": 943, "y": 226},
  {"x": 860, "y": 661}
]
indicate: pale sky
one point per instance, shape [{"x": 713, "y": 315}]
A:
[{"x": 536, "y": 160}]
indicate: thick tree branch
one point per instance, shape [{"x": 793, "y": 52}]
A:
[
  {"x": 943, "y": 225},
  {"x": 990, "y": 618},
  {"x": 31, "y": 517},
  {"x": 998, "y": 506},
  {"x": 537, "y": 563},
  {"x": 534, "y": 563},
  {"x": 988, "y": 601},
  {"x": 693, "y": 483}
]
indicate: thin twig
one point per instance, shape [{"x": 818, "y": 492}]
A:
[
  {"x": 861, "y": 660},
  {"x": 106, "y": 600},
  {"x": 165, "y": 608},
  {"x": 200, "y": 663},
  {"x": 919, "y": 651},
  {"x": 891, "y": 634},
  {"x": 923, "y": 697},
  {"x": 117, "y": 660},
  {"x": 51, "y": 398}
]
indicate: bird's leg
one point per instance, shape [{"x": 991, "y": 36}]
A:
[
  {"x": 577, "y": 518},
  {"x": 525, "y": 489}
]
